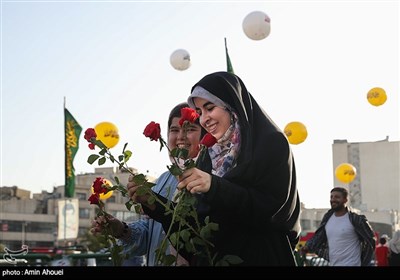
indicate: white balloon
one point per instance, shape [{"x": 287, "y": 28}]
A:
[
  {"x": 257, "y": 25},
  {"x": 180, "y": 59}
]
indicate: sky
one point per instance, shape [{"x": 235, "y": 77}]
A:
[{"x": 111, "y": 62}]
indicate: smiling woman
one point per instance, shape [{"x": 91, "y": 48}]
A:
[{"x": 246, "y": 183}]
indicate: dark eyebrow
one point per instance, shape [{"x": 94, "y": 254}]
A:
[{"x": 175, "y": 126}]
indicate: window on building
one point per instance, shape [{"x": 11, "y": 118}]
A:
[
  {"x": 317, "y": 223},
  {"x": 14, "y": 225},
  {"x": 81, "y": 196},
  {"x": 305, "y": 224},
  {"x": 40, "y": 227},
  {"x": 82, "y": 231},
  {"x": 84, "y": 213}
]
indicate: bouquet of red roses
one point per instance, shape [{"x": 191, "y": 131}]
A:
[{"x": 193, "y": 237}]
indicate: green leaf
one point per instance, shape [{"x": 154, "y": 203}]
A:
[
  {"x": 122, "y": 189},
  {"x": 205, "y": 232},
  {"x": 189, "y": 247},
  {"x": 112, "y": 158},
  {"x": 120, "y": 157},
  {"x": 138, "y": 208},
  {"x": 92, "y": 158},
  {"x": 116, "y": 257},
  {"x": 222, "y": 263},
  {"x": 149, "y": 184},
  {"x": 129, "y": 204},
  {"x": 197, "y": 240},
  {"x": 232, "y": 259},
  {"x": 116, "y": 179},
  {"x": 139, "y": 179},
  {"x": 127, "y": 155},
  {"x": 190, "y": 199},
  {"x": 168, "y": 260},
  {"x": 142, "y": 190},
  {"x": 173, "y": 239},
  {"x": 175, "y": 152},
  {"x": 185, "y": 235},
  {"x": 123, "y": 150},
  {"x": 102, "y": 161},
  {"x": 183, "y": 153},
  {"x": 175, "y": 170},
  {"x": 213, "y": 226}
]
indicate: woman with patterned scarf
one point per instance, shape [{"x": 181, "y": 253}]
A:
[{"x": 247, "y": 182}]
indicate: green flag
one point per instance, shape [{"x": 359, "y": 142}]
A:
[
  {"x": 228, "y": 61},
  {"x": 72, "y": 132}
]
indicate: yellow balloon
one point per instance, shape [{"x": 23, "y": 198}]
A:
[
  {"x": 107, "y": 133},
  {"x": 345, "y": 172},
  {"x": 104, "y": 196},
  {"x": 296, "y": 132},
  {"x": 377, "y": 96}
]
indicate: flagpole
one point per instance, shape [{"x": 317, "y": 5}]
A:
[
  {"x": 63, "y": 211},
  {"x": 65, "y": 148},
  {"x": 229, "y": 67}
]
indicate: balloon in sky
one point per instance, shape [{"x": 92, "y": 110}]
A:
[
  {"x": 256, "y": 25},
  {"x": 104, "y": 196},
  {"x": 296, "y": 132},
  {"x": 107, "y": 133},
  {"x": 376, "y": 96},
  {"x": 180, "y": 59},
  {"x": 345, "y": 172}
]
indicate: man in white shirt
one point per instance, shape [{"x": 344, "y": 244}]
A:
[{"x": 344, "y": 237}]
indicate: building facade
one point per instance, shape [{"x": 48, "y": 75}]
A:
[
  {"x": 375, "y": 191},
  {"x": 377, "y": 184},
  {"x": 34, "y": 221}
]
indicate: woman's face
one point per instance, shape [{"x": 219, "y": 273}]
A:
[
  {"x": 176, "y": 137},
  {"x": 214, "y": 119}
]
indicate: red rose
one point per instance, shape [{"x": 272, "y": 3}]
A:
[
  {"x": 89, "y": 134},
  {"x": 153, "y": 131},
  {"x": 98, "y": 186},
  {"x": 94, "y": 198},
  {"x": 188, "y": 114},
  {"x": 92, "y": 146},
  {"x": 208, "y": 140}
]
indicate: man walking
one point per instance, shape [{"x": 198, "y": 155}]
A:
[{"x": 344, "y": 237}]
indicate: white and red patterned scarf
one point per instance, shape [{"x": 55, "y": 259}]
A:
[{"x": 225, "y": 152}]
